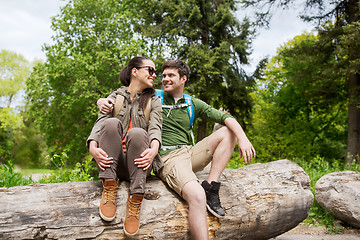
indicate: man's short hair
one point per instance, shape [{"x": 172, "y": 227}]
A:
[{"x": 182, "y": 68}]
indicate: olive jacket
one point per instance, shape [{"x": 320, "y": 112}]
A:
[{"x": 131, "y": 109}]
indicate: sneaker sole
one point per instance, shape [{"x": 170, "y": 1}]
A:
[
  {"x": 106, "y": 218},
  {"x": 213, "y": 212}
]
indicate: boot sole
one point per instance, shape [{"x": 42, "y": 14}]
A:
[
  {"x": 106, "y": 218},
  {"x": 213, "y": 212},
  {"x": 129, "y": 234}
]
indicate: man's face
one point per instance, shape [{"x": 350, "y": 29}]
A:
[{"x": 172, "y": 82}]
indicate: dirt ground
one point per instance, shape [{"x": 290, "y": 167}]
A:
[{"x": 304, "y": 232}]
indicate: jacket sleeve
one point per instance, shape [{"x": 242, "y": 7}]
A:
[
  {"x": 95, "y": 132},
  {"x": 155, "y": 120}
]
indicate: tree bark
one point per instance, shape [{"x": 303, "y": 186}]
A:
[
  {"x": 202, "y": 126},
  {"x": 353, "y": 141},
  {"x": 261, "y": 201}
]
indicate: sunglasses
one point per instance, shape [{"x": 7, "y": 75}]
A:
[{"x": 151, "y": 70}]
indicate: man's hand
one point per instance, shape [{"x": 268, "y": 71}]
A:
[
  {"x": 105, "y": 105},
  {"x": 246, "y": 150},
  {"x": 100, "y": 156}
]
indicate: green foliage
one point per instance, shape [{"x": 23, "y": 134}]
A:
[
  {"x": 14, "y": 68},
  {"x": 333, "y": 61},
  {"x": 301, "y": 108},
  {"x": 10, "y": 178},
  {"x": 80, "y": 173},
  {"x": 9, "y": 128},
  {"x": 93, "y": 40},
  {"x": 13, "y": 71},
  {"x": 30, "y": 148}
]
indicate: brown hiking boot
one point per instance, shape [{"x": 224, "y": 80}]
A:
[
  {"x": 132, "y": 218},
  {"x": 108, "y": 200}
]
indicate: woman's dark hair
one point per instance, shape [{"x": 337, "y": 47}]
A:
[{"x": 125, "y": 78}]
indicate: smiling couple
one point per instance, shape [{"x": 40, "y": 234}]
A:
[{"x": 128, "y": 146}]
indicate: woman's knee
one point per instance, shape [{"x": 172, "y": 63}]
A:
[
  {"x": 111, "y": 126},
  {"x": 137, "y": 136}
]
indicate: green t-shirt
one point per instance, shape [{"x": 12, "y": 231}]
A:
[{"x": 176, "y": 128}]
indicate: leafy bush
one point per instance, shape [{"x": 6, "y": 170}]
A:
[{"x": 81, "y": 172}]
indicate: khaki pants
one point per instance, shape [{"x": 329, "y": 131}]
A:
[
  {"x": 181, "y": 164},
  {"x": 123, "y": 166}
]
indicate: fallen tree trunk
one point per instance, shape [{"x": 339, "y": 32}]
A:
[{"x": 261, "y": 201}]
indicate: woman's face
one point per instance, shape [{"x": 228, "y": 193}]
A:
[{"x": 146, "y": 73}]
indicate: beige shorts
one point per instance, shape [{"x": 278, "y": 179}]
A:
[{"x": 181, "y": 164}]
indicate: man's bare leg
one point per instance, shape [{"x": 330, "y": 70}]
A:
[
  {"x": 194, "y": 195},
  {"x": 221, "y": 145}
]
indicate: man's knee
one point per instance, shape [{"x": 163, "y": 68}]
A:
[
  {"x": 227, "y": 133},
  {"x": 194, "y": 193},
  {"x": 223, "y": 134}
]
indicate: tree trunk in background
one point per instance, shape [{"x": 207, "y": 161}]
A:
[
  {"x": 202, "y": 130},
  {"x": 353, "y": 144}
]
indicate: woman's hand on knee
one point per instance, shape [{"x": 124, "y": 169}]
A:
[
  {"x": 101, "y": 158},
  {"x": 146, "y": 159}
]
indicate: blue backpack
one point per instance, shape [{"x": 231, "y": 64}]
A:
[{"x": 188, "y": 104}]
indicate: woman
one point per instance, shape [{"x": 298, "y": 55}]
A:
[{"x": 124, "y": 146}]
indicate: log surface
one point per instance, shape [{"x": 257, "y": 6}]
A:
[{"x": 261, "y": 201}]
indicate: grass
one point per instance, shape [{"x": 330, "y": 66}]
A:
[
  {"x": 30, "y": 171},
  {"x": 9, "y": 176}
]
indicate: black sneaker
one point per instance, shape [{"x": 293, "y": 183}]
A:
[{"x": 212, "y": 198}]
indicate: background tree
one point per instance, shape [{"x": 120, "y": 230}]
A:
[
  {"x": 207, "y": 35},
  {"x": 299, "y": 115},
  {"x": 9, "y": 126},
  {"x": 341, "y": 39},
  {"x": 14, "y": 69},
  {"x": 93, "y": 41}
]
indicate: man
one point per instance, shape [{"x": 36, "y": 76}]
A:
[{"x": 181, "y": 159}]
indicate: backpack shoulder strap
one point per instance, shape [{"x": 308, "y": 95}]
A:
[
  {"x": 190, "y": 109},
  {"x": 118, "y": 104},
  {"x": 160, "y": 94},
  {"x": 147, "y": 110}
]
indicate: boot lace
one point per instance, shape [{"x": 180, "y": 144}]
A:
[
  {"x": 134, "y": 208},
  {"x": 110, "y": 194}
]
